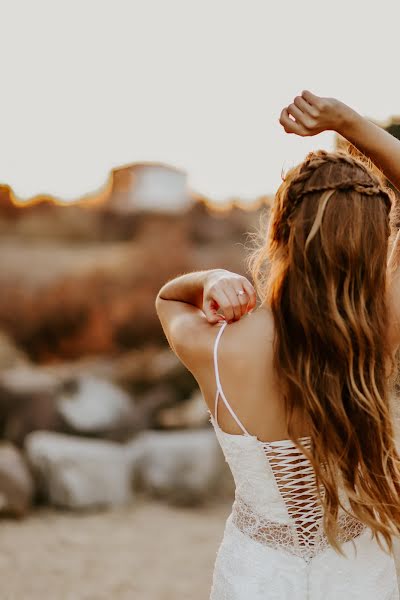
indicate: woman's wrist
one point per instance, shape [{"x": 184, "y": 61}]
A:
[{"x": 348, "y": 122}]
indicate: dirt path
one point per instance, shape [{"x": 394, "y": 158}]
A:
[{"x": 147, "y": 552}]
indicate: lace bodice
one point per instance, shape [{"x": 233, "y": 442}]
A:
[
  {"x": 276, "y": 502},
  {"x": 274, "y": 544},
  {"x": 276, "y": 499}
]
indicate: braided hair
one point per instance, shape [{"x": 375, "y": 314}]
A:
[{"x": 320, "y": 172}]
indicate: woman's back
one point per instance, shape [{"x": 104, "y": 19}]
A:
[
  {"x": 274, "y": 544},
  {"x": 245, "y": 361}
]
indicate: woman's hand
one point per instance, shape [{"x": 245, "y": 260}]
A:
[
  {"x": 228, "y": 292},
  {"x": 309, "y": 115}
]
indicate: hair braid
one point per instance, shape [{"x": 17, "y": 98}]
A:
[{"x": 322, "y": 171}]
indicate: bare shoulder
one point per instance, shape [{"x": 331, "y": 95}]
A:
[
  {"x": 246, "y": 347},
  {"x": 245, "y": 364},
  {"x": 253, "y": 333},
  {"x": 242, "y": 342}
]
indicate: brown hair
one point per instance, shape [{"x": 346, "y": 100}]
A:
[{"x": 326, "y": 285}]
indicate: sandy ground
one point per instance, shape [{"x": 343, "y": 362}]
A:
[{"x": 146, "y": 552}]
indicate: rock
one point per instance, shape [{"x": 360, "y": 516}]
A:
[
  {"x": 79, "y": 473},
  {"x": 27, "y": 403},
  {"x": 155, "y": 376},
  {"x": 191, "y": 413},
  {"x": 147, "y": 365},
  {"x": 29, "y": 380},
  {"x": 16, "y": 482},
  {"x": 10, "y": 355},
  {"x": 91, "y": 405},
  {"x": 183, "y": 467},
  {"x": 150, "y": 402},
  {"x": 29, "y": 413}
]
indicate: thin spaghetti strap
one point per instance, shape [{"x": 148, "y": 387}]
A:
[{"x": 220, "y": 391}]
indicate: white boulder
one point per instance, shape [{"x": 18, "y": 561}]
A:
[
  {"x": 190, "y": 413},
  {"x": 94, "y": 405},
  {"x": 184, "y": 467},
  {"x": 16, "y": 482},
  {"x": 79, "y": 473}
]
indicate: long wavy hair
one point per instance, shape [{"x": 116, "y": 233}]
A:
[{"x": 327, "y": 252}]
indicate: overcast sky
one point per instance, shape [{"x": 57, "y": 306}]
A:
[{"x": 87, "y": 85}]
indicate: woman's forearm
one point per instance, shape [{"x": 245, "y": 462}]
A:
[
  {"x": 188, "y": 287},
  {"x": 375, "y": 143}
]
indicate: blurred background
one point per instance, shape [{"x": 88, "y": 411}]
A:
[{"x": 140, "y": 140}]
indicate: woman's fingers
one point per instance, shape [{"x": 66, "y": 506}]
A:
[
  {"x": 243, "y": 301},
  {"x": 296, "y": 113},
  {"x": 251, "y": 295},
  {"x": 233, "y": 296},
  {"x": 243, "y": 297},
  {"x": 210, "y": 308},
  {"x": 225, "y": 303},
  {"x": 309, "y": 114},
  {"x": 289, "y": 125},
  {"x": 311, "y": 98},
  {"x": 305, "y": 107},
  {"x": 235, "y": 303},
  {"x": 301, "y": 117}
]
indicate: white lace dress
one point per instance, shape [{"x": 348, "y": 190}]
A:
[{"x": 274, "y": 547}]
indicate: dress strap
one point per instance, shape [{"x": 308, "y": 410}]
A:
[{"x": 220, "y": 391}]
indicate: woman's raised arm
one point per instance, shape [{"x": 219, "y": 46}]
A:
[{"x": 310, "y": 114}]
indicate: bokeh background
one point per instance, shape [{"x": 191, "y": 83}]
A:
[
  {"x": 96, "y": 411},
  {"x": 139, "y": 141}
]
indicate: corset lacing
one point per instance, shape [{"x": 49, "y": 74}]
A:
[
  {"x": 303, "y": 535},
  {"x": 294, "y": 475}
]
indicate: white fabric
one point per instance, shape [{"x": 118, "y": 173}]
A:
[{"x": 274, "y": 546}]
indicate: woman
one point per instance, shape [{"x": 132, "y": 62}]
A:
[{"x": 298, "y": 389}]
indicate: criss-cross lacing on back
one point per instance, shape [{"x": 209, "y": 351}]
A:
[{"x": 302, "y": 534}]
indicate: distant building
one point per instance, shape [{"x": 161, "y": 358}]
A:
[{"x": 149, "y": 186}]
